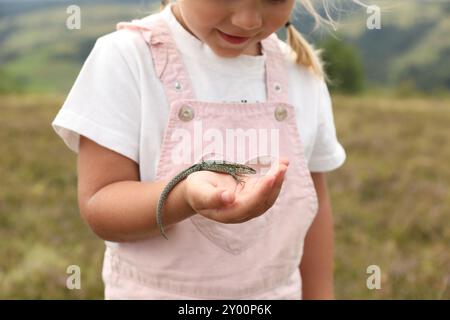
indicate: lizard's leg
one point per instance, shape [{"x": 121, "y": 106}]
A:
[{"x": 238, "y": 180}]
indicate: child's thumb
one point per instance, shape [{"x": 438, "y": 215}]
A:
[
  {"x": 220, "y": 198},
  {"x": 211, "y": 197},
  {"x": 227, "y": 197}
]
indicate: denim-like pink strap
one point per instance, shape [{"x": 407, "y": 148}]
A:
[
  {"x": 276, "y": 70},
  {"x": 170, "y": 68}
]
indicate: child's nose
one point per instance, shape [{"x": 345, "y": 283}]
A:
[{"x": 247, "y": 19}]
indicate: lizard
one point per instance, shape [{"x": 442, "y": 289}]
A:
[{"x": 221, "y": 166}]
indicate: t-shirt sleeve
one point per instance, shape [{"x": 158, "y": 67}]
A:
[
  {"x": 327, "y": 153},
  {"x": 103, "y": 104}
]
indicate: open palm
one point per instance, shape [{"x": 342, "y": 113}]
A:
[{"x": 218, "y": 196}]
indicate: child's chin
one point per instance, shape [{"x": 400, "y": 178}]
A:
[{"x": 227, "y": 52}]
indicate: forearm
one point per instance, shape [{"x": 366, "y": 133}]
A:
[
  {"x": 317, "y": 262},
  {"x": 126, "y": 210}
]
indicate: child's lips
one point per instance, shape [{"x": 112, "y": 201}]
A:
[{"x": 233, "y": 39}]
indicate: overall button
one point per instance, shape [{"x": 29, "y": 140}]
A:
[
  {"x": 178, "y": 86},
  {"x": 280, "y": 113},
  {"x": 186, "y": 113},
  {"x": 277, "y": 87}
]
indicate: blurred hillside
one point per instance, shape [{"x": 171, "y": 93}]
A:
[
  {"x": 412, "y": 47},
  {"x": 39, "y": 54}
]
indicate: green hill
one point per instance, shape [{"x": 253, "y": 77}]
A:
[
  {"x": 412, "y": 46},
  {"x": 40, "y": 53}
]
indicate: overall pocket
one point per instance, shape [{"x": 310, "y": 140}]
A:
[{"x": 236, "y": 238}]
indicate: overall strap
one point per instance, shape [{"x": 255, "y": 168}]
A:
[
  {"x": 168, "y": 63},
  {"x": 172, "y": 72},
  {"x": 276, "y": 71}
]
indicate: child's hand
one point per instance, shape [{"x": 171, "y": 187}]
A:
[{"x": 219, "y": 197}]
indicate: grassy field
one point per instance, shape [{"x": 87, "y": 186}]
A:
[{"x": 391, "y": 201}]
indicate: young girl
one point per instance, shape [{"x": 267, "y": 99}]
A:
[{"x": 167, "y": 85}]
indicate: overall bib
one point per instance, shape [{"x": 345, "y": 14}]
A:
[{"x": 205, "y": 259}]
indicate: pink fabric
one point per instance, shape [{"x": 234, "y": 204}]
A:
[{"x": 204, "y": 259}]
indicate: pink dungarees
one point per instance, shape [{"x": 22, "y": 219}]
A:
[{"x": 204, "y": 259}]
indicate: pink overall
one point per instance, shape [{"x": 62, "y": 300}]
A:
[{"x": 205, "y": 259}]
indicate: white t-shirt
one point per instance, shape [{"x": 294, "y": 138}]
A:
[{"x": 118, "y": 101}]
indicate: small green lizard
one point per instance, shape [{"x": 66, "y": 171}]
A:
[{"x": 231, "y": 168}]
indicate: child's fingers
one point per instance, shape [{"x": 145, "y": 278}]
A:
[
  {"x": 285, "y": 161},
  {"x": 248, "y": 205},
  {"x": 276, "y": 187},
  {"x": 258, "y": 203},
  {"x": 275, "y": 167},
  {"x": 224, "y": 208},
  {"x": 278, "y": 171},
  {"x": 280, "y": 175}
]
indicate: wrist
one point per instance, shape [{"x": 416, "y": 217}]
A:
[{"x": 185, "y": 209}]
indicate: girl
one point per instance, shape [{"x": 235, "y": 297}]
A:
[{"x": 147, "y": 101}]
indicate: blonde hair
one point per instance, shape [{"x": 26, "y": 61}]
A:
[{"x": 304, "y": 53}]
